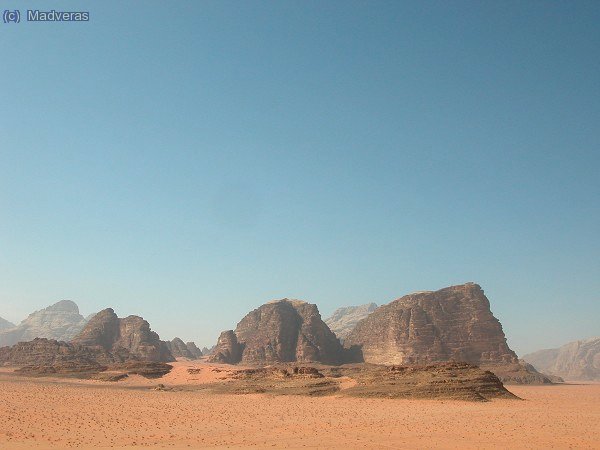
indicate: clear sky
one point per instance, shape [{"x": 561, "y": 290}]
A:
[{"x": 188, "y": 161}]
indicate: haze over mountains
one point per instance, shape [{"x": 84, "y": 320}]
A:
[
  {"x": 578, "y": 360},
  {"x": 5, "y": 324},
  {"x": 344, "y": 319},
  {"x": 60, "y": 321}
]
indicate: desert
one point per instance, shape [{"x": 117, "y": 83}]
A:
[
  {"x": 55, "y": 413},
  {"x": 429, "y": 370}
]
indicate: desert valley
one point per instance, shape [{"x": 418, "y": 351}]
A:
[{"x": 430, "y": 369}]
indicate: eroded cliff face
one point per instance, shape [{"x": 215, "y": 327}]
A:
[
  {"x": 107, "y": 331},
  {"x": 452, "y": 324},
  {"x": 228, "y": 350},
  {"x": 60, "y": 321},
  {"x": 578, "y": 360},
  {"x": 52, "y": 353},
  {"x": 280, "y": 331}
]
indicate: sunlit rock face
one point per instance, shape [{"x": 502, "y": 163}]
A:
[{"x": 452, "y": 324}]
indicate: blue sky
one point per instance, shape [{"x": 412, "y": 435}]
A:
[{"x": 190, "y": 162}]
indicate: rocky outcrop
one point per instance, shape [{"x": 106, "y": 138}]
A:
[
  {"x": 60, "y": 321},
  {"x": 520, "y": 373},
  {"x": 180, "y": 349},
  {"x": 228, "y": 350},
  {"x": 577, "y": 361},
  {"x": 108, "y": 332},
  {"x": 279, "y": 331},
  {"x": 47, "y": 357},
  {"x": 452, "y": 324},
  {"x": 343, "y": 320},
  {"x": 208, "y": 351},
  {"x": 449, "y": 380},
  {"x": 5, "y": 324},
  {"x": 62, "y": 356}
]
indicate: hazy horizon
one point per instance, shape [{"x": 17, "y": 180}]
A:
[{"x": 188, "y": 165}]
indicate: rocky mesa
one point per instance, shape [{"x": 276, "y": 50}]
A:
[{"x": 280, "y": 331}]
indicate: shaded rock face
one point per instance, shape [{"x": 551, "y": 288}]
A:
[
  {"x": 452, "y": 324},
  {"x": 180, "y": 349},
  {"x": 133, "y": 334},
  {"x": 60, "y": 321},
  {"x": 280, "y": 331},
  {"x": 578, "y": 361},
  {"x": 228, "y": 350},
  {"x": 5, "y": 324},
  {"x": 343, "y": 320}
]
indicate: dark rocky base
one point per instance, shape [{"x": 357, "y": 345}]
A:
[{"x": 453, "y": 381}]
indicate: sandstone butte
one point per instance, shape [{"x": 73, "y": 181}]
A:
[
  {"x": 108, "y": 332},
  {"x": 451, "y": 324},
  {"x": 454, "y": 323},
  {"x": 280, "y": 331}
]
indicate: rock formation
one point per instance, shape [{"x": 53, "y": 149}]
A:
[
  {"x": 452, "y": 324},
  {"x": 52, "y": 353},
  {"x": 5, "y": 324},
  {"x": 180, "y": 349},
  {"x": 228, "y": 350},
  {"x": 60, "y": 321},
  {"x": 194, "y": 350},
  {"x": 133, "y": 334},
  {"x": 208, "y": 351},
  {"x": 48, "y": 357},
  {"x": 279, "y": 331},
  {"x": 343, "y": 320},
  {"x": 577, "y": 361}
]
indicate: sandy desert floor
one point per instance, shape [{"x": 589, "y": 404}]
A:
[{"x": 53, "y": 413}]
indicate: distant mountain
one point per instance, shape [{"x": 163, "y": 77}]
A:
[
  {"x": 578, "y": 360},
  {"x": 5, "y": 324},
  {"x": 60, "y": 321},
  {"x": 180, "y": 349},
  {"x": 343, "y": 320},
  {"x": 208, "y": 351}
]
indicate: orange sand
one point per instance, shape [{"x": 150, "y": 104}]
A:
[{"x": 43, "y": 413}]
